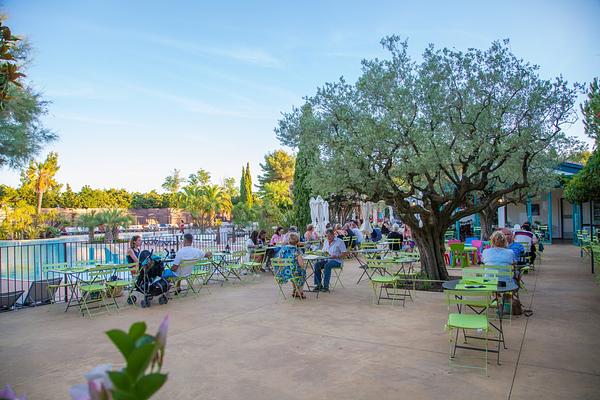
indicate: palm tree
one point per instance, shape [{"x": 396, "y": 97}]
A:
[
  {"x": 192, "y": 199},
  {"x": 89, "y": 221},
  {"x": 112, "y": 219},
  {"x": 40, "y": 175},
  {"x": 217, "y": 201}
]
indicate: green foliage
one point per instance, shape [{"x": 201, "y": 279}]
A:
[
  {"x": 173, "y": 182},
  {"x": 229, "y": 187},
  {"x": 306, "y": 160},
  {"x": 243, "y": 215},
  {"x": 204, "y": 202},
  {"x": 278, "y": 166},
  {"x": 579, "y": 156},
  {"x": 585, "y": 186},
  {"x": 112, "y": 219},
  {"x": 200, "y": 178},
  {"x": 89, "y": 221},
  {"x": 278, "y": 193},
  {"x": 18, "y": 222},
  {"x": 591, "y": 111},
  {"x": 22, "y": 134},
  {"x": 39, "y": 177},
  {"x": 141, "y": 378},
  {"x": 439, "y": 131},
  {"x": 246, "y": 186}
]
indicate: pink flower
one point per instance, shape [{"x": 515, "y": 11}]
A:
[
  {"x": 161, "y": 340},
  {"x": 8, "y": 394},
  {"x": 98, "y": 385}
]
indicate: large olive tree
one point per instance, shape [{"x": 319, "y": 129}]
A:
[{"x": 427, "y": 137}]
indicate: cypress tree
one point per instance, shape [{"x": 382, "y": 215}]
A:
[
  {"x": 248, "y": 186},
  {"x": 301, "y": 189},
  {"x": 243, "y": 194}
]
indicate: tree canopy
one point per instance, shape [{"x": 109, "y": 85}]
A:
[{"x": 427, "y": 136}]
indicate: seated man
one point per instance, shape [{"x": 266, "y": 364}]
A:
[
  {"x": 186, "y": 253},
  {"x": 517, "y": 248},
  {"x": 376, "y": 234},
  {"x": 359, "y": 235},
  {"x": 523, "y": 234},
  {"x": 396, "y": 238},
  {"x": 335, "y": 248}
]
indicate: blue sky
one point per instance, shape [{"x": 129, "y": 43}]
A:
[{"x": 141, "y": 87}]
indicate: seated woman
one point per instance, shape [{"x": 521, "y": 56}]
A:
[
  {"x": 295, "y": 272},
  {"x": 396, "y": 238},
  {"x": 133, "y": 253},
  {"x": 310, "y": 235},
  {"x": 339, "y": 231},
  {"x": 498, "y": 254},
  {"x": 278, "y": 237}
]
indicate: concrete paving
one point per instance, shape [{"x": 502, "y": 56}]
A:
[{"x": 246, "y": 342}]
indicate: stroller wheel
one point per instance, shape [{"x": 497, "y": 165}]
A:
[
  {"x": 131, "y": 300},
  {"x": 145, "y": 303},
  {"x": 163, "y": 300}
]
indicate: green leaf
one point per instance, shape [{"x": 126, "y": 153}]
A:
[
  {"x": 120, "y": 380},
  {"x": 136, "y": 330},
  {"x": 122, "y": 340},
  {"x": 146, "y": 339},
  {"x": 139, "y": 360},
  {"x": 123, "y": 395},
  {"x": 149, "y": 384}
]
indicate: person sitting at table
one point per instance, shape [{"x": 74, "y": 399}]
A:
[
  {"x": 498, "y": 254},
  {"x": 133, "y": 253},
  {"x": 517, "y": 248},
  {"x": 186, "y": 253},
  {"x": 376, "y": 234},
  {"x": 396, "y": 238},
  {"x": 359, "y": 235},
  {"x": 278, "y": 237},
  {"x": 339, "y": 231},
  {"x": 262, "y": 238},
  {"x": 294, "y": 272},
  {"x": 310, "y": 235},
  {"x": 523, "y": 234},
  {"x": 385, "y": 227},
  {"x": 286, "y": 237},
  {"x": 335, "y": 249}
]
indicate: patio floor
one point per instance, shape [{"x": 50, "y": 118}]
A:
[{"x": 246, "y": 342}]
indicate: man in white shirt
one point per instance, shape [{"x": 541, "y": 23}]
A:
[
  {"x": 335, "y": 248},
  {"x": 186, "y": 253}
]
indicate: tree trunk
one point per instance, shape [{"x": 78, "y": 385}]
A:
[
  {"x": 91, "y": 234},
  {"x": 40, "y": 195},
  {"x": 219, "y": 234},
  {"x": 430, "y": 241},
  {"x": 489, "y": 218}
]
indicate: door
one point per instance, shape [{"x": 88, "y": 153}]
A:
[{"x": 566, "y": 212}]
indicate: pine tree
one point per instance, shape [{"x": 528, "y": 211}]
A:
[
  {"x": 301, "y": 190},
  {"x": 248, "y": 186}
]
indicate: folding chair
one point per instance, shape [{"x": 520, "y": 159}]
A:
[
  {"x": 8, "y": 300},
  {"x": 477, "y": 322},
  {"x": 278, "y": 264},
  {"x": 336, "y": 272},
  {"x": 53, "y": 269},
  {"x": 121, "y": 278},
  {"x": 200, "y": 273},
  {"x": 256, "y": 261},
  {"x": 94, "y": 290},
  {"x": 184, "y": 273},
  {"x": 234, "y": 265}
]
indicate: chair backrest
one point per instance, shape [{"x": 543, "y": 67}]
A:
[
  {"x": 501, "y": 270},
  {"x": 477, "y": 243},
  {"x": 526, "y": 245},
  {"x": 381, "y": 263},
  {"x": 38, "y": 292},
  {"x": 186, "y": 267},
  {"x": 479, "y": 273},
  {"x": 457, "y": 246},
  {"x": 8, "y": 299},
  {"x": 473, "y": 298},
  {"x": 54, "y": 267},
  {"x": 278, "y": 264},
  {"x": 451, "y": 241},
  {"x": 368, "y": 245}
]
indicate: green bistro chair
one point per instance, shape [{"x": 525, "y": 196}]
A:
[
  {"x": 235, "y": 267},
  {"x": 93, "y": 290},
  {"x": 368, "y": 245},
  {"x": 457, "y": 252},
  {"x": 278, "y": 264},
  {"x": 123, "y": 279},
  {"x": 53, "y": 269},
  {"x": 184, "y": 275},
  {"x": 476, "y": 322},
  {"x": 200, "y": 273},
  {"x": 254, "y": 265}
]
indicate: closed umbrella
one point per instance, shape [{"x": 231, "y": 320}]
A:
[
  {"x": 313, "y": 211},
  {"x": 325, "y": 213}
]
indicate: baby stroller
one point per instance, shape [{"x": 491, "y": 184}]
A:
[{"x": 150, "y": 282}]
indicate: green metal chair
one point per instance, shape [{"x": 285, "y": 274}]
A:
[
  {"x": 200, "y": 273},
  {"x": 277, "y": 264},
  {"x": 53, "y": 269},
  {"x": 256, "y": 262},
  {"x": 184, "y": 275},
  {"x": 476, "y": 322},
  {"x": 93, "y": 290},
  {"x": 457, "y": 252},
  {"x": 123, "y": 279}
]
